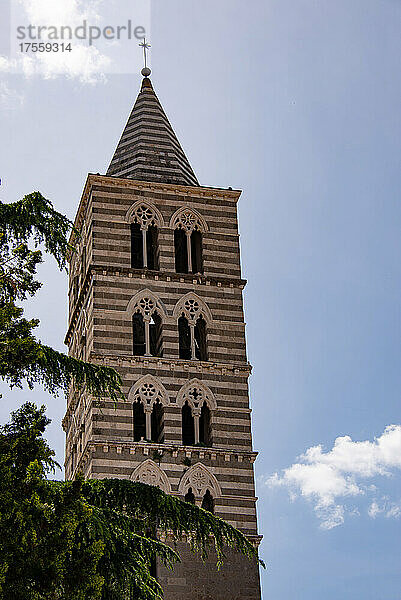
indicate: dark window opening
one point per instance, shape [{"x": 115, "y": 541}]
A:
[
  {"x": 157, "y": 434},
  {"x": 139, "y": 421},
  {"x": 200, "y": 339},
  {"x": 138, "y": 334},
  {"x": 189, "y": 496},
  {"x": 75, "y": 288},
  {"x": 205, "y": 430},
  {"x": 181, "y": 251},
  {"x": 152, "y": 248},
  {"x": 188, "y": 427},
  {"x": 184, "y": 336},
  {"x": 73, "y": 457},
  {"x": 155, "y": 334},
  {"x": 83, "y": 263},
  {"x": 196, "y": 252},
  {"x": 208, "y": 502},
  {"x": 136, "y": 246}
]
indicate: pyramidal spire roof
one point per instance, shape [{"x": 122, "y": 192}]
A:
[{"x": 148, "y": 149}]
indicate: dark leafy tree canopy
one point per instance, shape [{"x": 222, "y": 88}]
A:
[
  {"x": 87, "y": 539},
  {"x": 22, "y": 357}
]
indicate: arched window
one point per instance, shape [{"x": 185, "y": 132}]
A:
[
  {"x": 150, "y": 473},
  {"x": 138, "y": 335},
  {"x": 139, "y": 421},
  {"x": 196, "y": 401},
  {"x": 155, "y": 334},
  {"x": 75, "y": 288},
  {"x": 83, "y": 263},
  {"x": 188, "y": 427},
  {"x": 190, "y": 312},
  {"x": 145, "y": 220},
  {"x": 152, "y": 248},
  {"x": 205, "y": 430},
  {"x": 188, "y": 227},
  {"x": 200, "y": 339},
  {"x": 136, "y": 246},
  {"x": 149, "y": 397},
  {"x": 157, "y": 423},
  {"x": 147, "y": 331},
  {"x": 202, "y": 484},
  {"x": 181, "y": 251},
  {"x": 190, "y": 496},
  {"x": 184, "y": 339},
  {"x": 208, "y": 502},
  {"x": 196, "y": 252}
]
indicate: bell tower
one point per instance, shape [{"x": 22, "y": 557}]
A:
[{"x": 156, "y": 292}]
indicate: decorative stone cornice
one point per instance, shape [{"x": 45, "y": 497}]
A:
[
  {"x": 241, "y": 369},
  {"x": 146, "y": 276},
  {"x": 187, "y": 191},
  {"x": 105, "y": 445}
]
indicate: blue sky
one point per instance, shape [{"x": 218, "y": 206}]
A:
[{"x": 297, "y": 103}]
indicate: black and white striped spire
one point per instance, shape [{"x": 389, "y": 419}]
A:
[{"x": 148, "y": 149}]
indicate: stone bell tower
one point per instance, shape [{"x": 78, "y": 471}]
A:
[{"x": 156, "y": 292}]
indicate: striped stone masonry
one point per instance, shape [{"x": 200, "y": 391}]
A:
[
  {"x": 148, "y": 148},
  {"x": 104, "y": 293}
]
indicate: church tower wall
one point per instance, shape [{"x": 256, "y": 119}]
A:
[{"x": 191, "y": 388}]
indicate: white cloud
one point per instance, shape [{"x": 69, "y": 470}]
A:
[
  {"x": 328, "y": 478},
  {"x": 60, "y": 12},
  {"x": 384, "y": 507},
  {"x": 10, "y": 99},
  {"x": 84, "y": 63}
]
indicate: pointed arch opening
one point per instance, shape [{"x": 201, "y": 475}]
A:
[
  {"x": 196, "y": 251},
  {"x": 205, "y": 429},
  {"x": 152, "y": 248},
  {"x": 180, "y": 250},
  {"x": 184, "y": 339},
  {"x": 147, "y": 324},
  {"x": 200, "y": 339},
  {"x": 150, "y": 473},
  {"x": 200, "y": 479},
  {"x": 188, "y": 425},
  {"x": 189, "y": 227},
  {"x": 145, "y": 221},
  {"x": 190, "y": 496},
  {"x": 197, "y": 403},
  {"x": 136, "y": 246},
  {"x": 208, "y": 502},
  {"x": 139, "y": 421},
  {"x": 138, "y": 335},
  {"x": 193, "y": 316},
  {"x": 149, "y": 398},
  {"x": 156, "y": 335},
  {"x": 157, "y": 423},
  {"x": 75, "y": 288}
]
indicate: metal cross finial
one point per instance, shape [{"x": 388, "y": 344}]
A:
[{"x": 145, "y": 47}]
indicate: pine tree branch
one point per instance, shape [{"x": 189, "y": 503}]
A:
[
  {"x": 170, "y": 514},
  {"x": 34, "y": 216}
]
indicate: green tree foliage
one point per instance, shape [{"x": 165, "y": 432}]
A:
[
  {"x": 92, "y": 540},
  {"x": 87, "y": 540},
  {"x": 23, "y": 357}
]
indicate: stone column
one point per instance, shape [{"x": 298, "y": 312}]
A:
[
  {"x": 146, "y": 321},
  {"x": 196, "y": 414},
  {"x": 189, "y": 251},
  {"x": 148, "y": 416},
  {"x": 144, "y": 246},
  {"x": 192, "y": 328}
]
